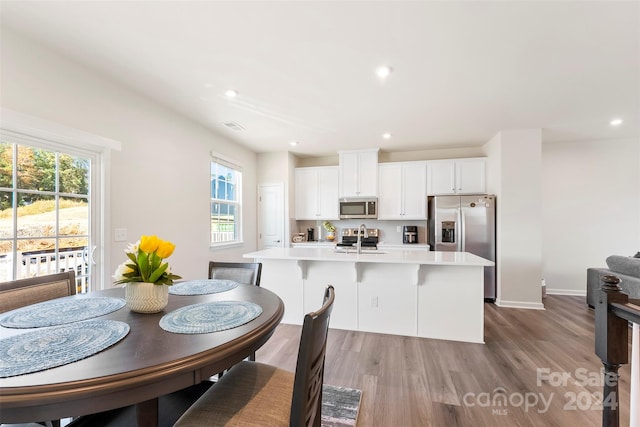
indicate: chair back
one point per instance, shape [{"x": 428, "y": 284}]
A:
[
  {"x": 23, "y": 292},
  {"x": 306, "y": 405},
  {"x": 247, "y": 273}
]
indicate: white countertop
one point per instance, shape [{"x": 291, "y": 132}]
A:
[{"x": 396, "y": 256}]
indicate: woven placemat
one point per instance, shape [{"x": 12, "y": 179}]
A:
[
  {"x": 210, "y": 317},
  {"x": 47, "y": 348},
  {"x": 202, "y": 287},
  {"x": 60, "y": 311}
]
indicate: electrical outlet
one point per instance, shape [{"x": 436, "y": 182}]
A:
[
  {"x": 120, "y": 235},
  {"x": 399, "y": 229},
  {"x": 374, "y": 302}
]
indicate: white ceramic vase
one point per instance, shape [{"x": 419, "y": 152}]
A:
[{"x": 143, "y": 297}]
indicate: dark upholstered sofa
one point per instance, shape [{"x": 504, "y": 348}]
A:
[{"x": 627, "y": 269}]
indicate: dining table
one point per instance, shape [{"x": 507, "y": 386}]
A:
[{"x": 148, "y": 362}]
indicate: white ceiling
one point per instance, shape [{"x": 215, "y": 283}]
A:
[{"x": 305, "y": 70}]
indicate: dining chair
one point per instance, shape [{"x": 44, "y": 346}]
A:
[
  {"x": 20, "y": 293},
  {"x": 257, "y": 394},
  {"x": 242, "y": 272}
]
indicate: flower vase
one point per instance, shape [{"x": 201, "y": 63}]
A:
[{"x": 144, "y": 297}]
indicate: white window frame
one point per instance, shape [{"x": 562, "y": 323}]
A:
[
  {"x": 21, "y": 128},
  {"x": 237, "y": 203}
]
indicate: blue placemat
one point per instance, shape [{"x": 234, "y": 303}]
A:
[
  {"x": 60, "y": 311},
  {"x": 56, "y": 346},
  {"x": 210, "y": 317},
  {"x": 202, "y": 287}
]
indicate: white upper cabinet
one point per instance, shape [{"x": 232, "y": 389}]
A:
[
  {"x": 456, "y": 176},
  {"x": 316, "y": 192},
  {"x": 359, "y": 173},
  {"x": 402, "y": 190}
]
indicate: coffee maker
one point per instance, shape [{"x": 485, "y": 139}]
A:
[
  {"x": 310, "y": 235},
  {"x": 410, "y": 234}
]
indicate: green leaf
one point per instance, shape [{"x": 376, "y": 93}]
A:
[
  {"x": 155, "y": 261},
  {"x": 157, "y": 273},
  {"x": 143, "y": 263},
  {"x": 132, "y": 257}
]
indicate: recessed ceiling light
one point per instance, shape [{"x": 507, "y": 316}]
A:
[
  {"x": 615, "y": 122},
  {"x": 383, "y": 71},
  {"x": 293, "y": 143},
  {"x": 230, "y": 93},
  {"x": 386, "y": 135}
]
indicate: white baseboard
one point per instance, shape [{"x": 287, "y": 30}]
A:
[
  {"x": 569, "y": 292},
  {"x": 520, "y": 304}
]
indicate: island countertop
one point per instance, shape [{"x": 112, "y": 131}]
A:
[{"x": 393, "y": 256}]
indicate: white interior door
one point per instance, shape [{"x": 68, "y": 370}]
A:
[{"x": 271, "y": 228}]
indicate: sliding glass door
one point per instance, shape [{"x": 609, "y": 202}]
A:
[{"x": 48, "y": 219}]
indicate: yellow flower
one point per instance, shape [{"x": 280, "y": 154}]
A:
[
  {"x": 149, "y": 244},
  {"x": 165, "y": 249},
  {"x": 145, "y": 262}
]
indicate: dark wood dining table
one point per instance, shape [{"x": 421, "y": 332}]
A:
[{"x": 148, "y": 363}]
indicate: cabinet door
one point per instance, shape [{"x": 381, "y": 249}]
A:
[
  {"x": 349, "y": 175},
  {"x": 389, "y": 191},
  {"x": 306, "y": 192},
  {"x": 470, "y": 176},
  {"x": 328, "y": 181},
  {"x": 367, "y": 174},
  {"x": 414, "y": 185},
  {"x": 441, "y": 177}
]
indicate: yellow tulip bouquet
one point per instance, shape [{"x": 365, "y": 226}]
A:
[{"x": 146, "y": 264}]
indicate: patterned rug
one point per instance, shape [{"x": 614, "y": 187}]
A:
[{"x": 340, "y": 406}]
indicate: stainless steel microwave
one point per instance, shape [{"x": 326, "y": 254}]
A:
[{"x": 358, "y": 207}]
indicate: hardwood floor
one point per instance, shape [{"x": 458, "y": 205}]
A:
[{"x": 515, "y": 379}]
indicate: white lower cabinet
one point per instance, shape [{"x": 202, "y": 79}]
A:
[
  {"x": 387, "y": 299},
  {"x": 344, "y": 314},
  {"x": 283, "y": 278}
]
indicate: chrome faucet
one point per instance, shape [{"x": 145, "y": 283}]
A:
[{"x": 362, "y": 232}]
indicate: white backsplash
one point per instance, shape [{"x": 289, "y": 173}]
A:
[{"x": 389, "y": 231}]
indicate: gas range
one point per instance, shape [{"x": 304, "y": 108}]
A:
[{"x": 350, "y": 238}]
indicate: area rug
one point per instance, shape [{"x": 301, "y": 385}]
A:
[{"x": 340, "y": 406}]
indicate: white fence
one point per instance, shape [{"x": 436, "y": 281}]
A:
[
  {"x": 222, "y": 236},
  {"x": 40, "y": 263}
]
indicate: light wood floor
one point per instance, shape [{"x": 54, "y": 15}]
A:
[{"x": 421, "y": 382}]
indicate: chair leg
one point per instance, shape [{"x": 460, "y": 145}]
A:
[{"x": 252, "y": 357}]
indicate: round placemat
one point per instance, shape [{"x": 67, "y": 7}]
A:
[
  {"x": 202, "y": 287},
  {"x": 48, "y": 348},
  {"x": 210, "y": 317},
  {"x": 60, "y": 311}
]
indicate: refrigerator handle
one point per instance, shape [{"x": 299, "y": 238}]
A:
[{"x": 462, "y": 235}]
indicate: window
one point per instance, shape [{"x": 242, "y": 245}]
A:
[
  {"x": 45, "y": 211},
  {"x": 226, "y": 182}
]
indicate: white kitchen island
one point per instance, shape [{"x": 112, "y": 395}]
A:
[{"x": 403, "y": 292}]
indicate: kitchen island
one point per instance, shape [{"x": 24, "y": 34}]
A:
[{"x": 403, "y": 292}]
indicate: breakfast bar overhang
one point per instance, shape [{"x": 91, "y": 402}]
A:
[{"x": 403, "y": 292}]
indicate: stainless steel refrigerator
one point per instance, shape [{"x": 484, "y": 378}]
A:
[{"x": 466, "y": 224}]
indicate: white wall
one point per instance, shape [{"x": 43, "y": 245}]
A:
[
  {"x": 591, "y": 208},
  {"x": 160, "y": 180},
  {"x": 515, "y": 168}
]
